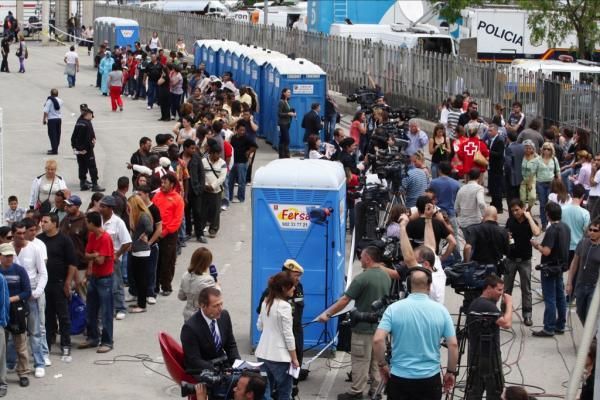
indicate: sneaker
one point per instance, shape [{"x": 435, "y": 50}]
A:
[
  {"x": 559, "y": 331},
  {"x": 66, "y": 355},
  {"x": 129, "y": 298},
  {"x": 149, "y": 108},
  {"x": 235, "y": 200},
  {"x": 120, "y": 315},
  {"x": 166, "y": 292},
  {"x": 86, "y": 345},
  {"x": 97, "y": 188},
  {"x": 212, "y": 235},
  {"x": 40, "y": 372},
  {"x": 103, "y": 349},
  {"x": 224, "y": 207},
  {"x": 151, "y": 300},
  {"x": 3, "y": 390},
  {"x": 47, "y": 361},
  {"x": 23, "y": 381}
]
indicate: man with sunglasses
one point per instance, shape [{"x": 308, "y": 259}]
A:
[
  {"x": 593, "y": 205},
  {"x": 584, "y": 268}
]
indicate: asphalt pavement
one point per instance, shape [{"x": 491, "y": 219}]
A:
[{"x": 121, "y": 373}]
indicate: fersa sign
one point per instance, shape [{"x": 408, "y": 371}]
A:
[
  {"x": 500, "y": 33},
  {"x": 292, "y": 216}
]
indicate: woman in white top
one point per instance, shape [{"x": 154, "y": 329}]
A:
[
  {"x": 276, "y": 347},
  {"x": 180, "y": 47},
  {"x": 154, "y": 43},
  {"x": 196, "y": 279},
  {"x": 558, "y": 192},
  {"x": 187, "y": 131},
  {"x": 45, "y": 186},
  {"x": 115, "y": 87},
  {"x": 314, "y": 147}
]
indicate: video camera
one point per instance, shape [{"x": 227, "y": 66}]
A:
[
  {"x": 463, "y": 277},
  {"x": 363, "y": 96},
  {"x": 219, "y": 380},
  {"x": 372, "y": 317}
]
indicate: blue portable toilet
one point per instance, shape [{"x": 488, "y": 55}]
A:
[
  {"x": 124, "y": 32},
  {"x": 269, "y": 103},
  {"x": 211, "y": 61},
  {"x": 229, "y": 57},
  {"x": 283, "y": 194},
  {"x": 236, "y": 55},
  {"x": 201, "y": 53},
  {"x": 307, "y": 81}
]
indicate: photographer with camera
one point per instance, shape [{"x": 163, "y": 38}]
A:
[
  {"x": 370, "y": 285},
  {"x": 250, "y": 386},
  {"x": 487, "y": 242},
  {"x": 207, "y": 337},
  {"x": 480, "y": 378},
  {"x": 555, "y": 259},
  {"x": 521, "y": 229},
  {"x": 417, "y": 325}
]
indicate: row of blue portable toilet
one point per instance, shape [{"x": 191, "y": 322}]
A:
[
  {"x": 268, "y": 73},
  {"x": 117, "y": 31}
]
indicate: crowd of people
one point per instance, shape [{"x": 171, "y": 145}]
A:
[{"x": 124, "y": 247}]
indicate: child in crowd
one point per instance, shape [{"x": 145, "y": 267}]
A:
[{"x": 14, "y": 212}]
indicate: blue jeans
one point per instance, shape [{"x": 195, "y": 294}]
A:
[
  {"x": 141, "y": 88},
  {"x": 152, "y": 92},
  {"x": 238, "y": 174},
  {"x": 175, "y": 103},
  {"x": 100, "y": 298},
  {"x": 125, "y": 267},
  {"x": 565, "y": 178},
  {"x": 118, "y": 288},
  {"x": 277, "y": 378},
  {"x": 329, "y": 126},
  {"x": 35, "y": 338},
  {"x": 543, "y": 191},
  {"x": 434, "y": 170},
  {"x": 71, "y": 80},
  {"x": 553, "y": 290}
]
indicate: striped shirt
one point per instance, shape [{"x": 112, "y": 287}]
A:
[
  {"x": 453, "y": 116},
  {"x": 415, "y": 184}
]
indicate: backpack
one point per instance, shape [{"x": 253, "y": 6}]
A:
[{"x": 77, "y": 311}]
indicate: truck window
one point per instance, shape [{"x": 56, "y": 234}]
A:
[
  {"x": 561, "y": 76},
  {"x": 589, "y": 78},
  {"x": 437, "y": 45}
]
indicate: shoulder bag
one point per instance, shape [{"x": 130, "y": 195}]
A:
[
  {"x": 45, "y": 206},
  {"x": 479, "y": 159},
  {"x": 18, "y": 317}
]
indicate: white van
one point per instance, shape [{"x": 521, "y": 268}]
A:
[
  {"x": 581, "y": 71},
  {"x": 206, "y": 7},
  {"x": 425, "y": 37}
]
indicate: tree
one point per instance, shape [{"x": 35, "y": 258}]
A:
[{"x": 551, "y": 20}]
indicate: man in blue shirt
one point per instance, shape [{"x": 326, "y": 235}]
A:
[
  {"x": 416, "y": 181},
  {"x": 4, "y": 315},
  {"x": 417, "y": 324}
]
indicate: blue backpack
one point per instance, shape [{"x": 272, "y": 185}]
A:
[{"x": 77, "y": 311}]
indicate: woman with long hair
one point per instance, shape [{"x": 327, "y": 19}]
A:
[
  {"x": 94, "y": 205},
  {"x": 314, "y": 147},
  {"x": 163, "y": 95},
  {"x": 284, "y": 119},
  {"x": 548, "y": 169},
  {"x": 276, "y": 347},
  {"x": 392, "y": 225},
  {"x": 175, "y": 90},
  {"x": 529, "y": 168},
  {"x": 142, "y": 226},
  {"x": 559, "y": 193},
  {"x": 186, "y": 131},
  {"x": 115, "y": 87},
  {"x": 196, "y": 279},
  {"x": 439, "y": 148}
]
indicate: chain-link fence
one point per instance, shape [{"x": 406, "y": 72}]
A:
[{"x": 407, "y": 76}]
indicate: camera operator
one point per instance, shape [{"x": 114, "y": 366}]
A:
[
  {"x": 208, "y": 334},
  {"x": 417, "y": 325},
  {"x": 521, "y": 229},
  {"x": 555, "y": 258},
  {"x": 348, "y": 161},
  {"x": 416, "y": 180},
  {"x": 250, "y": 386},
  {"x": 493, "y": 291},
  {"x": 487, "y": 242},
  {"x": 416, "y": 227},
  {"x": 370, "y": 285}
]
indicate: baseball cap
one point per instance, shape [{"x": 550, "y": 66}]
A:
[
  {"x": 108, "y": 201},
  {"x": 85, "y": 109},
  {"x": 74, "y": 200},
  {"x": 164, "y": 162},
  {"x": 293, "y": 266},
  {"x": 6, "y": 249}
]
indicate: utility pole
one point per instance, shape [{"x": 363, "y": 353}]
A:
[
  {"x": 266, "y": 12},
  {"x": 45, "y": 22}
]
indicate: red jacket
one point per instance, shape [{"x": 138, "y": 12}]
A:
[
  {"x": 466, "y": 153},
  {"x": 171, "y": 208}
]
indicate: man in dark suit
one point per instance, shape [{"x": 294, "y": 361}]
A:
[
  {"x": 496, "y": 166},
  {"x": 513, "y": 157},
  {"x": 312, "y": 124},
  {"x": 208, "y": 334}
]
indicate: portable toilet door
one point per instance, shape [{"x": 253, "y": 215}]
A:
[
  {"x": 204, "y": 50},
  {"x": 228, "y": 58},
  {"x": 126, "y": 32},
  {"x": 221, "y": 56},
  {"x": 211, "y": 62},
  {"x": 198, "y": 52},
  {"x": 270, "y": 103},
  {"x": 236, "y": 55},
  {"x": 307, "y": 82},
  {"x": 284, "y": 195}
]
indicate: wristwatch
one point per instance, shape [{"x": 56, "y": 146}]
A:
[{"x": 455, "y": 373}]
